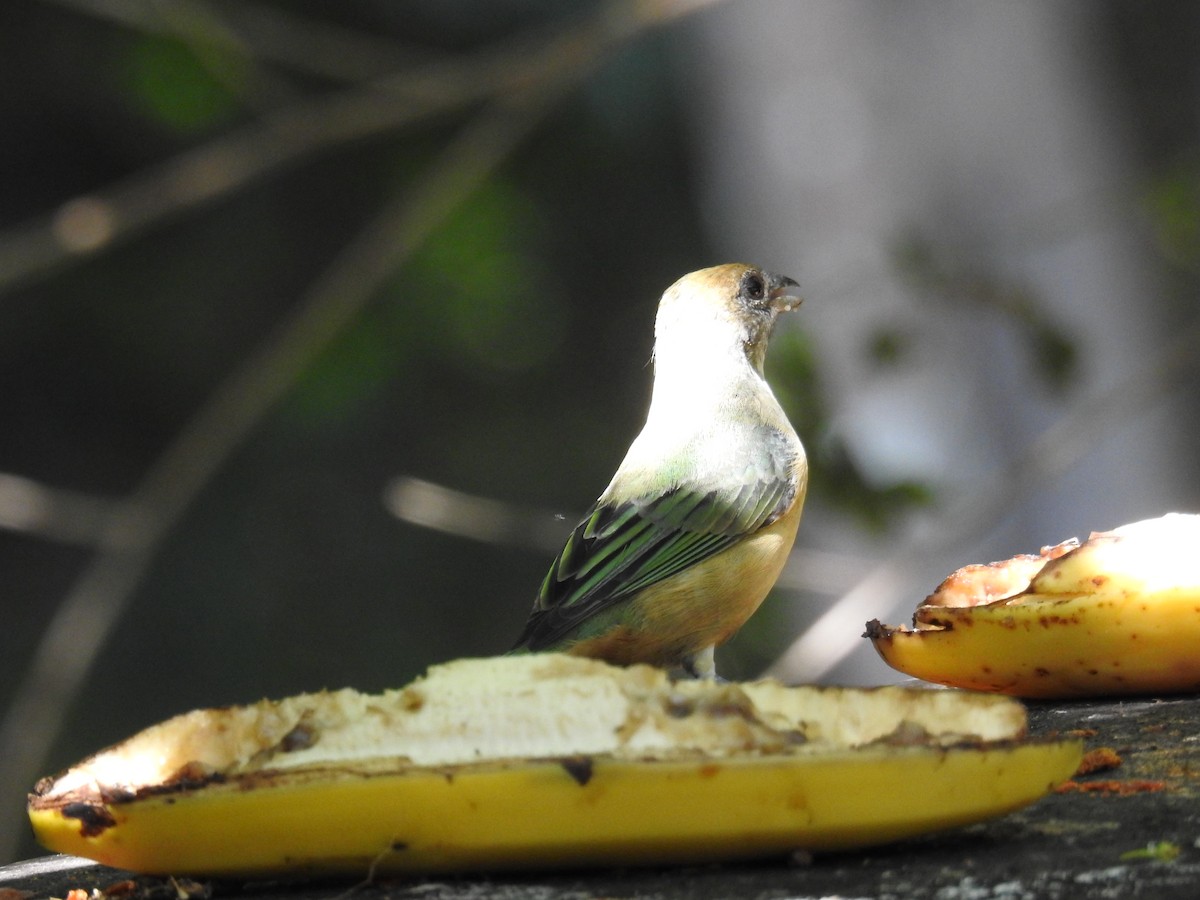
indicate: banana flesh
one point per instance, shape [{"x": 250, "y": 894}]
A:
[
  {"x": 1117, "y": 614},
  {"x": 543, "y": 761}
]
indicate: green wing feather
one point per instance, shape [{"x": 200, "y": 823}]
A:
[{"x": 617, "y": 550}]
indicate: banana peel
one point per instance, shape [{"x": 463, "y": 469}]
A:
[
  {"x": 1116, "y": 614},
  {"x": 543, "y": 761}
]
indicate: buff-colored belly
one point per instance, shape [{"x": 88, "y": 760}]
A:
[{"x": 702, "y": 606}]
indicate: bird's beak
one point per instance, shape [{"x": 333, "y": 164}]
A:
[{"x": 784, "y": 292}]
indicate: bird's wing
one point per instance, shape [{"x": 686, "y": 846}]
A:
[{"x": 619, "y": 549}]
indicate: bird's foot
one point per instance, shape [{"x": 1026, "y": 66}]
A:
[{"x": 701, "y": 664}]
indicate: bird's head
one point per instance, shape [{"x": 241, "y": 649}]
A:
[{"x": 711, "y": 313}]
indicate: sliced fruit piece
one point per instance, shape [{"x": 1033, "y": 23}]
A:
[
  {"x": 1117, "y": 614},
  {"x": 541, "y": 761}
]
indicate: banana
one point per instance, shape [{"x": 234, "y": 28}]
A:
[
  {"x": 543, "y": 761},
  {"x": 1117, "y": 614}
]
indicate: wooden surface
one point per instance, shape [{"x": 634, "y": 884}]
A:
[{"x": 1128, "y": 831}]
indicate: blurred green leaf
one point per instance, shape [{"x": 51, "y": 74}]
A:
[
  {"x": 1055, "y": 355},
  {"x": 843, "y": 484},
  {"x": 791, "y": 369},
  {"x": 484, "y": 296},
  {"x": 474, "y": 298},
  {"x": 941, "y": 278},
  {"x": 889, "y": 346},
  {"x": 1173, "y": 200},
  {"x": 360, "y": 364},
  {"x": 175, "y": 87}
]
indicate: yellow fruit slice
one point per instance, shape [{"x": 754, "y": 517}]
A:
[
  {"x": 1117, "y": 614},
  {"x": 660, "y": 772}
]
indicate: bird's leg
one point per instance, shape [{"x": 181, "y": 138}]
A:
[{"x": 700, "y": 664}]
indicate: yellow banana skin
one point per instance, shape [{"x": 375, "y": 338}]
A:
[
  {"x": 389, "y": 815},
  {"x": 1119, "y": 614},
  {"x": 538, "y": 814}
]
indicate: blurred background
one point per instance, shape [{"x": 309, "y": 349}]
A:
[{"x": 320, "y": 323}]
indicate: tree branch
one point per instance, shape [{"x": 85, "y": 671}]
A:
[{"x": 114, "y": 215}]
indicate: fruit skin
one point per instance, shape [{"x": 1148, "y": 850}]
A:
[
  {"x": 1120, "y": 614},
  {"x": 1076, "y": 647},
  {"x": 543, "y": 761},
  {"x": 571, "y": 812}
]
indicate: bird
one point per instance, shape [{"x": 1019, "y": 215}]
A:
[{"x": 694, "y": 529}]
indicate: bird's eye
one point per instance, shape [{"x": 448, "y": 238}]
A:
[{"x": 752, "y": 286}]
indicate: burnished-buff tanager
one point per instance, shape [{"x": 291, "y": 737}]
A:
[{"x": 695, "y": 526}]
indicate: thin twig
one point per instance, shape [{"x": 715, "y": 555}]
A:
[
  {"x": 106, "y": 218},
  {"x": 57, "y": 514},
  {"x": 490, "y": 521},
  {"x": 214, "y": 44},
  {"x": 273, "y": 35},
  {"x": 835, "y": 634}
]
